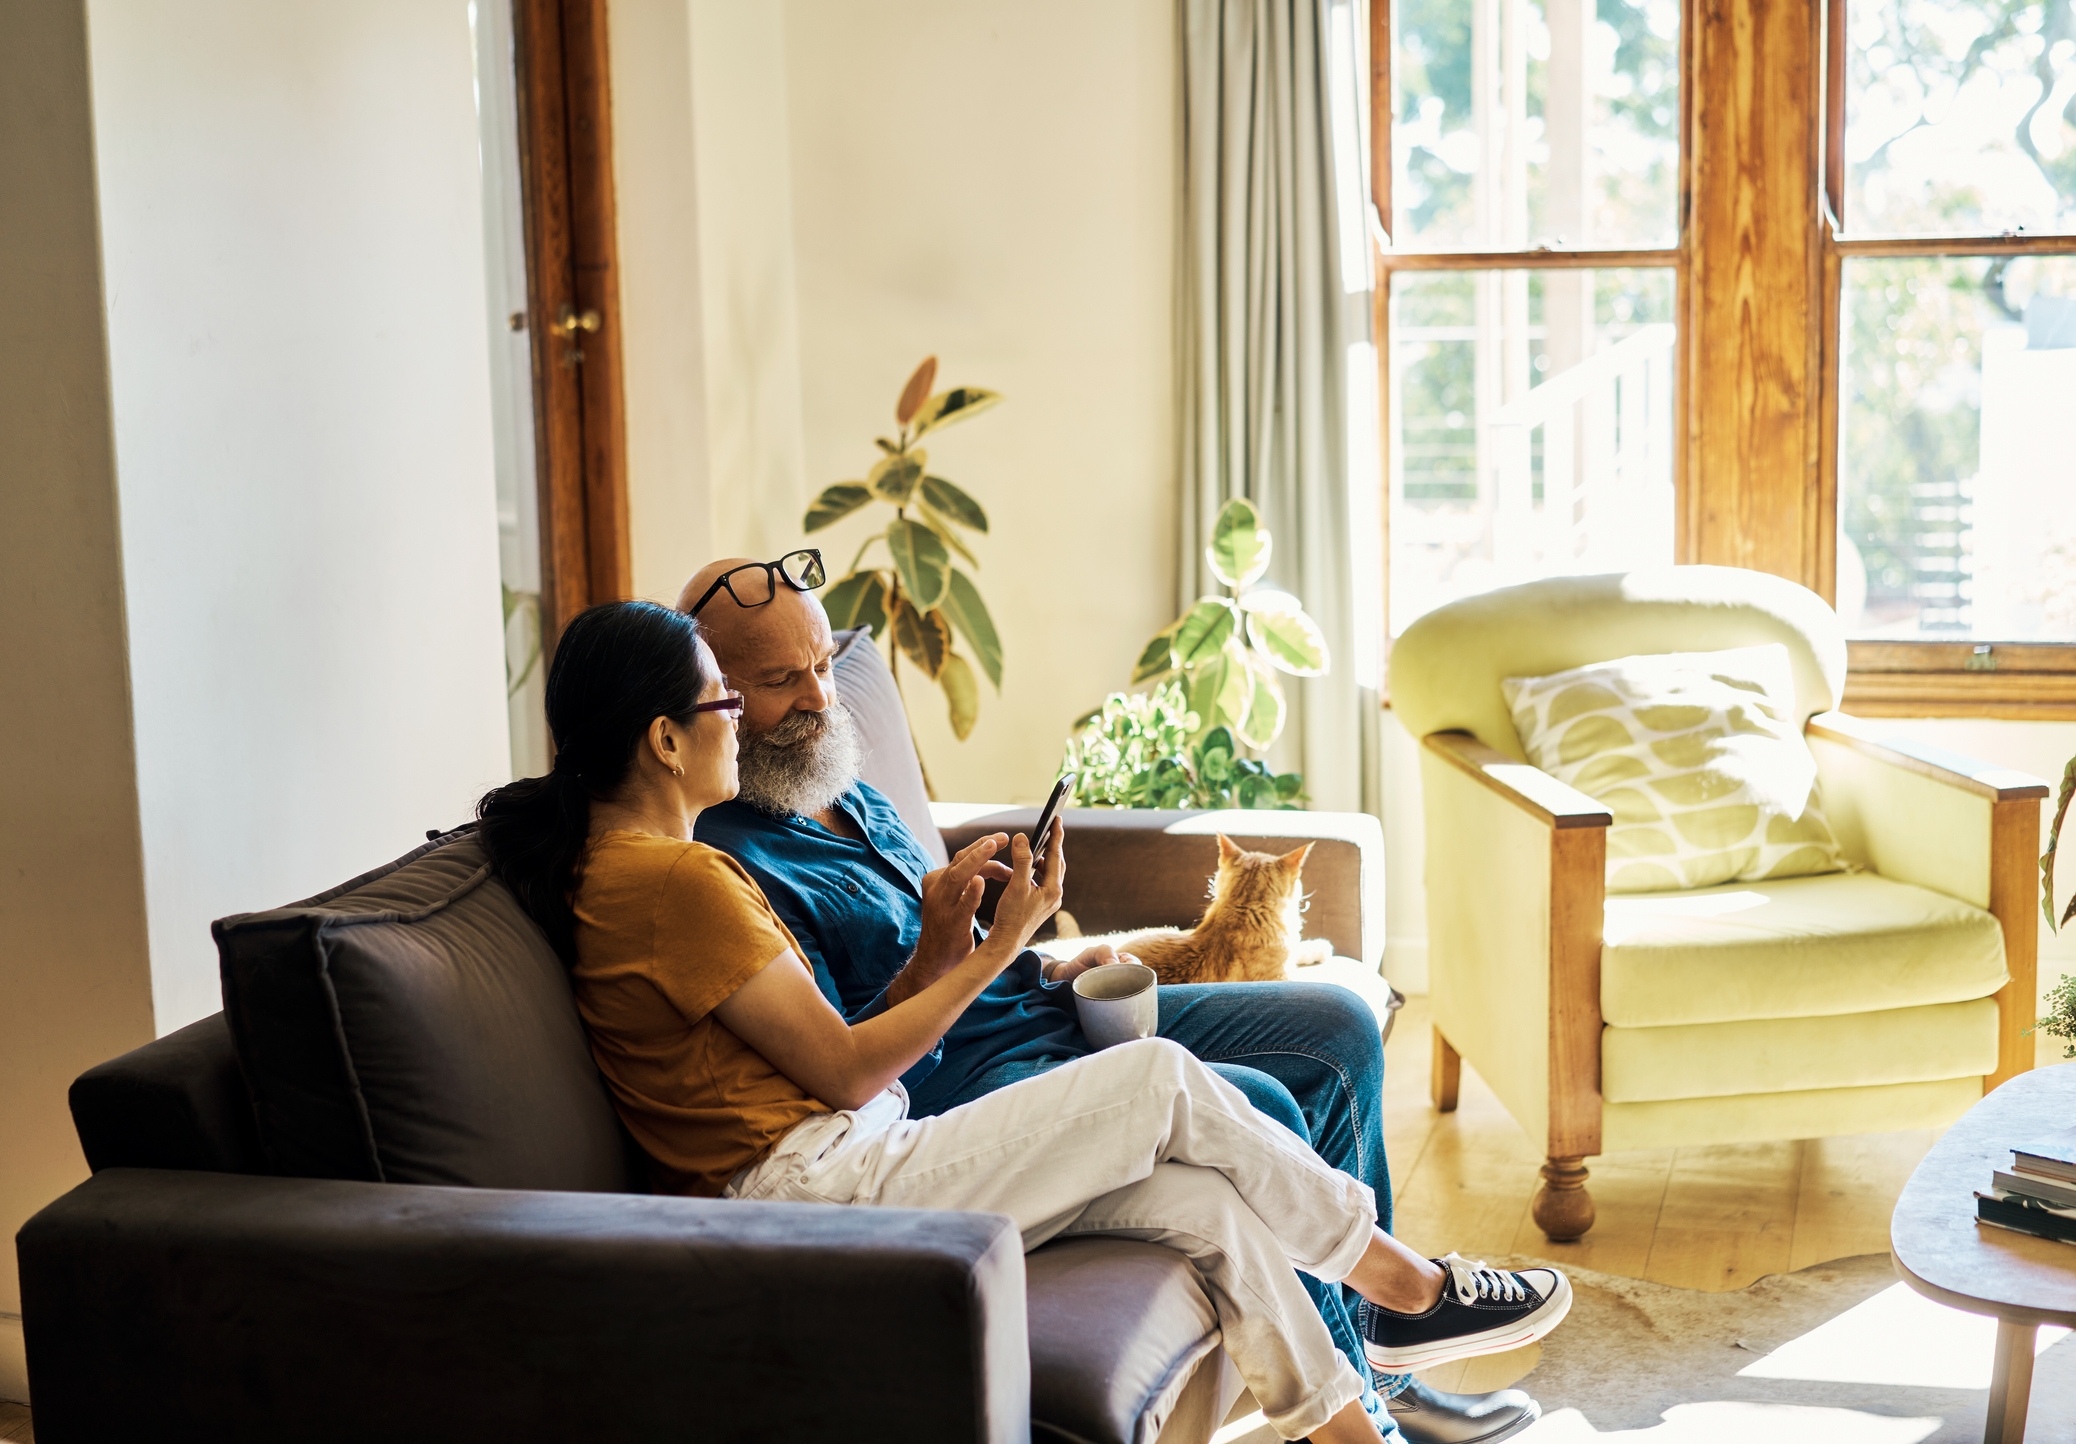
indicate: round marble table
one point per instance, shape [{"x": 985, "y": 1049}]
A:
[{"x": 1940, "y": 1250}]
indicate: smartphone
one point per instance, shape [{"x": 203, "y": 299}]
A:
[{"x": 1042, "y": 833}]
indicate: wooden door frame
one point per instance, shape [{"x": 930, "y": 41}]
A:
[{"x": 573, "y": 305}]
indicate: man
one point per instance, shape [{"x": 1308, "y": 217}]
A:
[{"x": 857, "y": 891}]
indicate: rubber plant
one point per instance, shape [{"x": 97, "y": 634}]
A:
[
  {"x": 2060, "y": 1022},
  {"x": 918, "y": 601},
  {"x": 1228, "y": 650}
]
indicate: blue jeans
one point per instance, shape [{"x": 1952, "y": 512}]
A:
[{"x": 1308, "y": 1056}]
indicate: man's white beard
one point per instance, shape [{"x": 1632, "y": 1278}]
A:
[{"x": 802, "y": 765}]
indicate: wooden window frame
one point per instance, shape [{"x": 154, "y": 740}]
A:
[
  {"x": 1915, "y": 678},
  {"x": 1759, "y": 264}
]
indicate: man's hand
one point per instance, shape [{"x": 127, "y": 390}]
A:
[
  {"x": 951, "y": 897},
  {"x": 1095, "y": 957}
]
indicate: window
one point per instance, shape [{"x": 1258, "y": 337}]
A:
[
  {"x": 1782, "y": 286},
  {"x": 1533, "y": 205},
  {"x": 1952, "y": 184}
]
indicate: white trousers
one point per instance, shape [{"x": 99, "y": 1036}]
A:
[{"x": 1138, "y": 1141}]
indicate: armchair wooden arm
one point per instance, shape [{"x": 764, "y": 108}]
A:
[
  {"x": 1577, "y": 895},
  {"x": 1866, "y": 789}
]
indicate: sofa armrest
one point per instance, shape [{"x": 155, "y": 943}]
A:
[
  {"x": 178, "y": 1102},
  {"x": 320, "y": 1310},
  {"x": 1146, "y": 867},
  {"x": 1940, "y": 820},
  {"x": 1543, "y": 797}
]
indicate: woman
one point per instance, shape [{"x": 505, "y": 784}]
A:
[{"x": 740, "y": 1080}]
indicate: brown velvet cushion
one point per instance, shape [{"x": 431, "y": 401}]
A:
[{"x": 414, "y": 1026}]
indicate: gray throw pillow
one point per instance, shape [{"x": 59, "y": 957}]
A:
[{"x": 868, "y": 689}]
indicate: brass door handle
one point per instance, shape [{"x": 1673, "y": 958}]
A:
[{"x": 568, "y": 322}]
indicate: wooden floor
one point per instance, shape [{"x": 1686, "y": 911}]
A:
[
  {"x": 1698, "y": 1218},
  {"x": 14, "y": 1424}
]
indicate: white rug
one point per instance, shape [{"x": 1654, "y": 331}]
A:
[{"x": 1840, "y": 1353}]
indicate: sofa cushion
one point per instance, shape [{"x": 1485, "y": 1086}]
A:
[
  {"x": 414, "y": 1026},
  {"x": 891, "y": 764},
  {"x": 1118, "y": 1330},
  {"x": 179, "y": 1102},
  {"x": 1790, "y": 1055},
  {"x": 1803, "y": 947}
]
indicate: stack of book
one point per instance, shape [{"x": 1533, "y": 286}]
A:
[{"x": 2038, "y": 1194}]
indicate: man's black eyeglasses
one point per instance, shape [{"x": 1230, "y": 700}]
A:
[{"x": 756, "y": 583}]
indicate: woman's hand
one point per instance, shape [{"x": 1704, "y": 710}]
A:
[
  {"x": 1098, "y": 956},
  {"x": 1028, "y": 900}
]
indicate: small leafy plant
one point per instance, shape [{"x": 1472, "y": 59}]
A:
[
  {"x": 1137, "y": 751},
  {"x": 919, "y": 599},
  {"x": 2060, "y": 1021},
  {"x": 1228, "y": 650}
]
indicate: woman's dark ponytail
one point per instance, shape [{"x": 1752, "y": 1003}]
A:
[{"x": 617, "y": 668}]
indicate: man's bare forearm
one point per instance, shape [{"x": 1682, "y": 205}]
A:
[{"x": 915, "y": 975}]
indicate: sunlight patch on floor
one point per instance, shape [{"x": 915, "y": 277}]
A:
[
  {"x": 1896, "y": 1337},
  {"x": 1728, "y": 1423}
]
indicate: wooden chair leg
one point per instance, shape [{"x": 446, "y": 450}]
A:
[
  {"x": 1446, "y": 1076},
  {"x": 1563, "y": 1209}
]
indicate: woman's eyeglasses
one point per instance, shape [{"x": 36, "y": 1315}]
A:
[
  {"x": 756, "y": 583},
  {"x": 730, "y": 703}
]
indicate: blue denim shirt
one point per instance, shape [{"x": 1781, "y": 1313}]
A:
[{"x": 856, "y": 909}]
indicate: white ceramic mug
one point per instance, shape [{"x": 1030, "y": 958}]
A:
[{"x": 1117, "y": 1003}]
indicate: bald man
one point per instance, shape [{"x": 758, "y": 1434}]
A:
[{"x": 877, "y": 923}]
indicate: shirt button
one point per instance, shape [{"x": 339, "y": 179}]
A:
[{"x": 851, "y": 887}]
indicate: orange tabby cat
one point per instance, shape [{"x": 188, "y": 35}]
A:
[{"x": 1249, "y": 933}]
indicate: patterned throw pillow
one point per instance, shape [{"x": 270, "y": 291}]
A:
[{"x": 1698, "y": 756}]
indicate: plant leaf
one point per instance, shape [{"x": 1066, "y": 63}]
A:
[
  {"x": 938, "y": 523},
  {"x": 1157, "y": 659},
  {"x": 835, "y": 503},
  {"x": 895, "y": 477},
  {"x": 859, "y": 600},
  {"x": 923, "y": 636},
  {"x": 1239, "y": 550},
  {"x": 890, "y": 448},
  {"x": 1284, "y": 635},
  {"x": 1203, "y": 631},
  {"x": 1266, "y": 709},
  {"x": 917, "y": 388},
  {"x": 954, "y": 405},
  {"x": 1218, "y": 692},
  {"x": 954, "y": 503},
  {"x": 962, "y": 604},
  {"x": 2054, "y": 837},
  {"x": 961, "y": 693},
  {"x": 920, "y": 558}
]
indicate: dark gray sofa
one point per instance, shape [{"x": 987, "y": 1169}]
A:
[{"x": 384, "y": 1196}]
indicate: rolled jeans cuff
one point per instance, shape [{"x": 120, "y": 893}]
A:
[
  {"x": 1305, "y": 1418},
  {"x": 1340, "y": 1261}
]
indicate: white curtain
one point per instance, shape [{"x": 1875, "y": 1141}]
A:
[{"x": 1277, "y": 365}]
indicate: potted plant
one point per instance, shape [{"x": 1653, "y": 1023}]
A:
[{"x": 2060, "y": 1021}]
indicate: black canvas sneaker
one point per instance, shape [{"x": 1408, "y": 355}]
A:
[{"x": 1481, "y": 1311}]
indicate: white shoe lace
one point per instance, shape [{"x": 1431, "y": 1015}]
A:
[{"x": 1473, "y": 1280}]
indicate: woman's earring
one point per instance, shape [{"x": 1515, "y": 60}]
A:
[{"x": 677, "y": 772}]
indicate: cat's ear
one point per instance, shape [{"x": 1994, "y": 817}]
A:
[
  {"x": 1228, "y": 850},
  {"x": 1294, "y": 862}
]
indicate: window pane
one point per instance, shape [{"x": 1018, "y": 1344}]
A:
[
  {"x": 1531, "y": 428},
  {"x": 1955, "y": 468},
  {"x": 1524, "y": 121},
  {"x": 1960, "y": 116}
]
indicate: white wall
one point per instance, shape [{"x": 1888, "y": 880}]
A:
[
  {"x": 75, "y": 984},
  {"x": 294, "y": 266},
  {"x": 996, "y": 183},
  {"x": 815, "y": 196}
]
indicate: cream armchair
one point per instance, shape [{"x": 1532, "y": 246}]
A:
[{"x": 1892, "y": 996}]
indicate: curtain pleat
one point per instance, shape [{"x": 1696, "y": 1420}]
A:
[{"x": 1274, "y": 336}]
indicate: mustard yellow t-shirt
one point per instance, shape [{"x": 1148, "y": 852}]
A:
[{"x": 666, "y": 932}]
